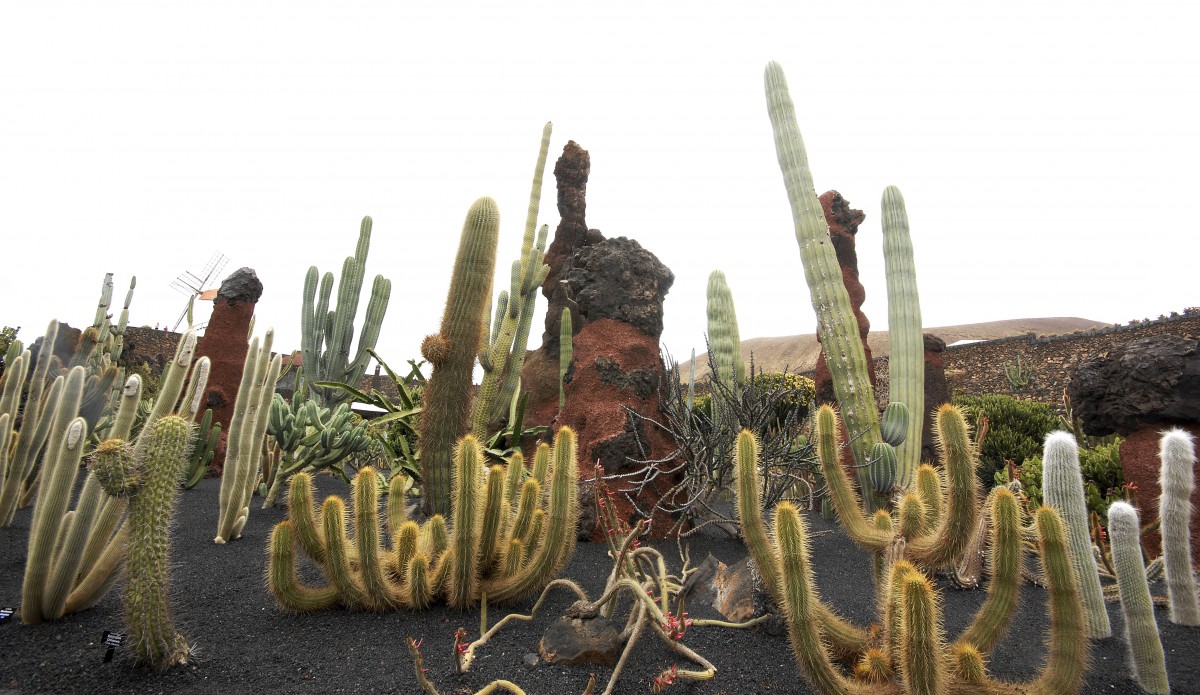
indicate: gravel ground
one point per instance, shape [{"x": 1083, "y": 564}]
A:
[{"x": 245, "y": 644}]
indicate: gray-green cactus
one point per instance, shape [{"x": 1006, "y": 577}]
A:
[
  {"x": 906, "y": 344},
  {"x": 1141, "y": 631},
  {"x": 325, "y": 334},
  {"x": 723, "y": 335},
  {"x": 18, "y": 467},
  {"x": 310, "y": 438},
  {"x": 565, "y": 351},
  {"x": 1177, "y": 452},
  {"x": 1062, "y": 488}
]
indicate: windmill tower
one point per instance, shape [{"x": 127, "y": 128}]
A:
[{"x": 194, "y": 284}]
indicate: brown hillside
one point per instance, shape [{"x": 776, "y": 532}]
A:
[{"x": 798, "y": 353}]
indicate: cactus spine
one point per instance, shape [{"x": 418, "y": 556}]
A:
[
  {"x": 1062, "y": 488},
  {"x": 490, "y": 550},
  {"x": 906, "y": 345},
  {"x": 723, "y": 336},
  {"x": 325, "y": 335},
  {"x": 1141, "y": 632},
  {"x": 1176, "y": 478},
  {"x": 247, "y": 427},
  {"x": 452, "y": 353}
]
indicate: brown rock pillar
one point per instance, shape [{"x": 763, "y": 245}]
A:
[{"x": 225, "y": 343}]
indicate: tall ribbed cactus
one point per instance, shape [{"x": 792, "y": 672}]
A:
[
  {"x": 26, "y": 383},
  {"x": 503, "y": 354},
  {"x": 1141, "y": 632},
  {"x": 566, "y": 349},
  {"x": 1062, "y": 488},
  {"x": 452, "y": 353},
  {"x": 836, "y": 324},
  {"x": 906, "y": 345},
  {"x": 494, "y": 547},
  {"x": 1177, "y": 452},
  {"x": 723, "y": 336},
  {"x": 247, "y": 428},
  {"x": 325, "y": 334}
]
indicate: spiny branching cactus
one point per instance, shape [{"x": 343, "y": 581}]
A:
[
  {"x": 310, "y": 438},
  {"x": 505, "y": 540},
  {"x": 149, "y": 477},
  {"x": 452, "y": 352},
  {"x": 243, "y": 450},
  {"x": 325, "y": 333},
  {"x": 1177, "y": 452},
  {"x": 1146, "y": 656},
  {"x": 1062, "y": 488}
]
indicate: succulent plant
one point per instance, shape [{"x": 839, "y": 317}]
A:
[
  {"x": 1177, "y": 451},
  {"x": 1146, "y": 656}
]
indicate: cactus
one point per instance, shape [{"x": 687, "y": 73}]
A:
[
  {"x": 1176, "y": 478},
  {"x": 836, "y": 324},
  {"x": 1141, "y": 632},
  {"x": 565, "y": 351},
  {"x": 503, "y": 354},
  {"x": 251, "y": 409},
  {"x": 906, "y": 344},
  {"x": 723, "y": 337},
  {"x": 325, "y": 334},
  {"x": 151, "y": 483},
  {"x": 493, "y": 548},
  {"x": 310, "y": 438},
  {"x": 204, "y": 447},
  {"x": 18, "y": 474},
  {"x": 452, "y": 352},
  {"x": 1062, "y": 488}
]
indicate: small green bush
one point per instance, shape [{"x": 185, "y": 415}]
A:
[
  {"x": 1016, "y": 429},
  {"x": 801, "y": 392}
]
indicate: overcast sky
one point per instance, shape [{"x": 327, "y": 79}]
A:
[{"x": 1048, "y": 151}]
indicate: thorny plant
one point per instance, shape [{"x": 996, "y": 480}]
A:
[
  {"x": 639, "y": 572},
  {"x": 702, "y": 462}
]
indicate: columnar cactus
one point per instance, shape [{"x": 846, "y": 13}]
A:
[
  {"x": 452, "y": 352},
  {"x": 244, "y": 446},
  {"x": 1176, "y": 478},
  {"x": 1062, "y": 488},
  {"x": 1141, "y": 632},
  {"x": 26, "y": 382},
  {"x": 151, "y": 483},
  {"x": 496, "y": 546},
  {"x": 325, "y": 334},
  {"x": 566, "y": 348},
  {"x": 723, "y": 335},
  {"x": 906, "y": 344},
  {"x": 836, "y": 324}
]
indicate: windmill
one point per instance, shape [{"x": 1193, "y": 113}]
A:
[{"x": 193, "y": 284}]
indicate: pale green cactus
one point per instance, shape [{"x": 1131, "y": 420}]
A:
[
  {"x": 1177, "y": 452},
  {"x": 1141, "y": 631}
]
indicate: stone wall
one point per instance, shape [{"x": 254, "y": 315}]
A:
[{"x": 978, "y": 368}]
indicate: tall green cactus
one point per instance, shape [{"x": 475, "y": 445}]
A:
[
  {"x": 906, "y": 344},
  {"x": 723, "y": 336},
  {"x": 1141, "y": 632},
  {"x": 26, "y": 382},
  {"x": 836, "y": 324},
  {"x": 1062, "y": 488},
  {"x": 493, "y": 547},
  {"x": 244, "y": 446},
  {"x": 452, "y": 353},
  {"x": 151, "y": 481},
  {"x": 566, "y": 349},
  {"x": 325, "y": 334},
  {"x": 1177, "y": 452}
]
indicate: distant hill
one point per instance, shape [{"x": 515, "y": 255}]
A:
[{"x": 798, "y": 353}]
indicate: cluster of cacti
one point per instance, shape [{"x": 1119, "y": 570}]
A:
[
  {"x": 1146, "y": 656},
  {"x": 452, "y": 352},
  {"x": 910, "y": 653},
  {"x": 244, "y": 445},
  {"x": 148, "y": 475},
  {"x": 309, "y": 438},
  {"x": 837, "y": 326},
  {"x": 723, "y": 336},
  {"x": 505, "y": 537},
  {"x": 25, "y": 400},
  {"x": 1062, "y": 489},
  {"x": 502, "y": 353},
  {"x": 325, "y": 334},
  {"x": 73, "y": 554}
]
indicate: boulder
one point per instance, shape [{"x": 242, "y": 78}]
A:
[
  {"x": 224, "y": 343},
  {"x": 581, "y": 640}
]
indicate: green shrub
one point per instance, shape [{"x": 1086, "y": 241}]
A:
[
  {"x": 1103, "y": 478},
  {"x": 1016, "y": 429},
  {"x": 799, "y": 392}
]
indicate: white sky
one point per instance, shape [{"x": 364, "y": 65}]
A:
[{"x": 1048, "y": 151}]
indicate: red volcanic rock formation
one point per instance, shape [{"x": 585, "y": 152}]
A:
[{"x": 225, "y": 343}]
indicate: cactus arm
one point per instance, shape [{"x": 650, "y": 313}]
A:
[
  {"x": 494, "y": 519},
  {"x": 127, "y": 406},
  {"x": 749, "y": 508},
  {"x": 922, "y": 667},
  {"x": 959, "y": 459},
  {"x": 845, "y": 501},
  {"x": 467, "y": 511},
  {"x": 906, "y": 346},
  {"x": 337, "y": 559},
  {"x": 1177, "y": 452},
  {"x": 1141, "y": 632},
  {"x": 103, "y": 573},
  {"x": 68, "y": 557},
  {"x": 1062, "y": 489},
  {"x": 380, "y": 592},
  {"x": 566, "y": 350},
  {"x": 283, "y": 581},
  {"x": 448, "y": 390},
  {"x": 1067, "y": 661},
  {"x": 836, "y": 324},
  {"x": 994, "y": 615}
]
